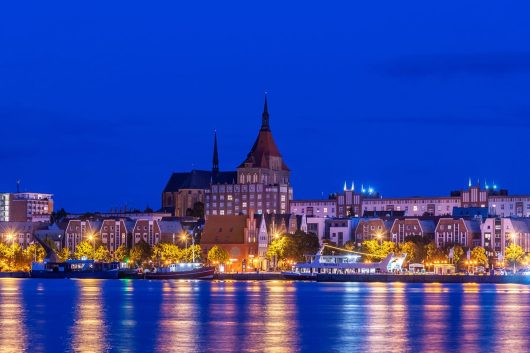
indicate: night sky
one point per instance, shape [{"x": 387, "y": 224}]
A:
[{"x": 100, "y": 101}]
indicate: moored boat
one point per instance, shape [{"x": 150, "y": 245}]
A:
[
  {"x": 74, "y": 269},
  {"x": 342, "y": 265},
  {"x": 182, "y": 271}
]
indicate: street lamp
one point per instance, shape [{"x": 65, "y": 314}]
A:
[
  {"x": 11, "y": 237},
  {"x": 514, "y": 236},
  {"x": 380, "y": 237},
  {"x": 184, "y": 238},
  {"x": 92, "y": 238}
]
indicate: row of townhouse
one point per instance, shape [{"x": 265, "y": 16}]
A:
[
  {"x": 443, "y": 230},
  {"x": 351, "y": 203},
  {"x": 115, "y": 232},
  {"x": 109, "y": 232}
]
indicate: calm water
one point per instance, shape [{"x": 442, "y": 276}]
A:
[{"x": 164, "y": 316}]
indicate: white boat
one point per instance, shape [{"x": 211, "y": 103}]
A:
[{"x": 343, "y": 264}]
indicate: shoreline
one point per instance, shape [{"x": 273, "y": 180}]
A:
[{"x": 353, "y": 278}]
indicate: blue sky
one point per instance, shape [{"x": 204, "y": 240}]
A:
[{"x": 100, "y": 101}]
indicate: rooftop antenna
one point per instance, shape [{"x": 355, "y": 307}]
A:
[{"x": 18, "y": 186}]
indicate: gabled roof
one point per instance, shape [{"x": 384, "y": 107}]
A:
[
  {"x": 473, "y": 225},
  {"x": 428, "y": 226},
  {"x": 170, "y": 227},
  {"x": 264, "y": 146},
  {"x": 521, "y": 225},
  {"x": 198, "y": 179}
]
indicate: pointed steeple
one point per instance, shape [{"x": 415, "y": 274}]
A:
[
  {"x": 345, "y": 188},
  {"x": 215, "y": 161},
  {"x": 265, "y": 115},
  {"x": 352, "y": 186}
]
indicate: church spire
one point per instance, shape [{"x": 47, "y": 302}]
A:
[
  {"x": 265, "y": 115},
  {"x": 215, "y": 162}
]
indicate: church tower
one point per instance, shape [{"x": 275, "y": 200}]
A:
[
  {"x": 264, "y": 163},
  {"x": 215, "y": 161}
]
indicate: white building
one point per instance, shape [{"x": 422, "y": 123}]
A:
[
  {"x": 414, "y": 206},
  {"x": 317, "y": 208},
  {"x": 498, "y": 233},
  {"x": 509, "y": 206}
]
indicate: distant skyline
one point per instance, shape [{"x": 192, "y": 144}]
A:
[{"x": 101, "y": 102}]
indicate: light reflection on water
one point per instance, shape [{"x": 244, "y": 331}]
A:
[
  {"x": 173, "y": 316},
  {"x": 12, "y": 331},
  {"x": 90, "y": 328}
]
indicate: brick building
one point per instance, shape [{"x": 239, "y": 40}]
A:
[
  {"x": 25, "y": 207},
  {"x": 238, "y": 235},
  {"x": 466, "y": 233},
  {"x": 261, "y": 183}
]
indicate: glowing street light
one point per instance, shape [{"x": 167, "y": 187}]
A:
[
  {"x": 11, "y": 237},
  {"x": 92, "y": 238},
  {"x": 184, "y": 238},
  {"x": 379, "y": 236}
]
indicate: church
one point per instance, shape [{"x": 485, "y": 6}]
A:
[{"x": 260, "y": 184}]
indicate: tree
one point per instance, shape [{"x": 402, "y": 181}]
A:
[
  {"x": 433, "y": 253},
  {"x": 217, "y": 255},
  {"x": 191, "y": 253},
  {"x": 84, "y": 250},
  {"x": 102, "y": 254},
  {"x": 121, "y": 254},
  {"x": 412, "y": 251},
  {"x": 478, "y": 254},
  {"x": 378, "y": 249},
  {"x": 514, "y": 254},
  {"x": 458, "y": 253},
  {"x": 140, "y": 253},
  {"x": 35, "y": 252},
  {"x": 64, "y": 254}
]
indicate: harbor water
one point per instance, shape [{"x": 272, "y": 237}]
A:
[{"x": 261, "y": 316}]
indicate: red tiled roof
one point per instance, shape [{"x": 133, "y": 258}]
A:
[{"x": 263, "y": 148}]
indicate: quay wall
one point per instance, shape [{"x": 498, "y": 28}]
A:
[
  {"x": 249, "y": 276},
  {"x": 14, "y": 275},
  {"x": 422, "y": 278}
]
